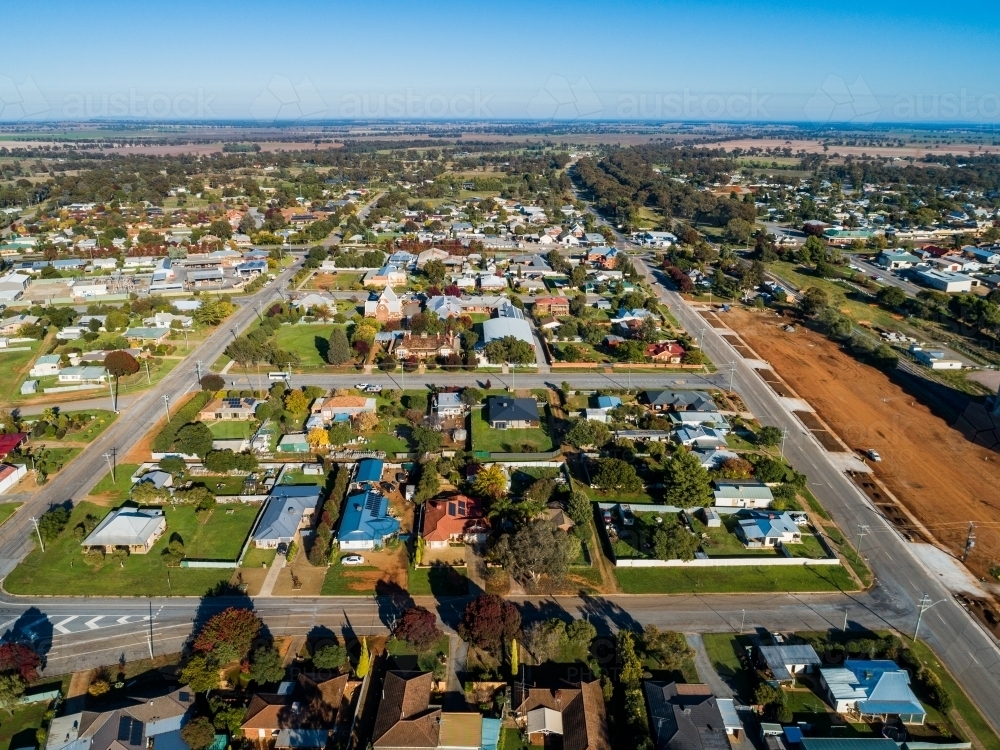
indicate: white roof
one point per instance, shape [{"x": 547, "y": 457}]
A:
[
  {"x": 126, "y": 527},
  {"x": 545, "y": 720},
  {"x": 497, "y": 328}
]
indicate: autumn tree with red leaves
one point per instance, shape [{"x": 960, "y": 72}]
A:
[
  {"x": 25, "y": 661},
  {"x": 418, "y": 627},
  {"x": 233, "y": 630},
  {"x": 120, "y": 363},
  {"x": 490, "y": 622}
]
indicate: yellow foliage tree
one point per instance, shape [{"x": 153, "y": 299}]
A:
[
  {"x": 318, "y": 437},
  {"x": 366, "y": 421},
  {"x": 491, "y": 482},
  {"x": 296, "y": 402}
]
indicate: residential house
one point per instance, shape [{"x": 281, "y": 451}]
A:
[
  {"x": 874, "y": 690},
  {"x": 134, "y": 528},
  {"x": 434, "y": 253},
  {"x": 309, "y": 301},
  {"x": 342, "y": 408},
  {"x": 669, "y": 352},
  {"x": 498, "y": 328},
  {"x": 693, "y": 418},
  {"x": 146, "y": 335},
  {"x": 164, "y": 320},
  {"x": 503, "y": 413},
  {"x": 10, "y": 326},
  {"x": 10, "y": 475},
  {"x": 605, "y": 257},
  {"x": 685, "y": 716},
  {"x": 656, "y": 239},
  {"x": 679, "y": 400},
  {"x": 229, "y": 408},
  {"x": 759, "y": 528},
  {"x": 448, "y": 405},
  {"x": 46, "y": 366},
  {"x": 701, "y": 437},
  {"x": 787, "y": 660},
  {"x": 713, "y": 458},
  {"x": 138, "y": 722},
  {"x": 491, "y": 283},
  {"x": 384, "y": 308},
  {"x": 426, "y": 346},
  {"x": 301, "y": 714},
  {"x": 369, "y": 471},
  {"x": 556, "y": 306},
  {"x": 387, "y": 275},
  {"x": 594, "y": 239},
  {"x": 289, "y": 508},
  {"x": 11, "y": 441},
  {"x": 366, "y": 523},
  {"x": 575, "y": 713},
  {"x": 742, "y": 494},
  {"x": 90, "y": 374},
  {"x": 406, "y": 720},
  {"x": 453, "y": 519}
]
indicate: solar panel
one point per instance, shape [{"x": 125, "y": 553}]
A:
[
  {"x": 124, "y": 728},
  {"x": 136, "y": 739},
  {"x": 461, "y": 507}
]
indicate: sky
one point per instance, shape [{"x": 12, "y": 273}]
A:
[{"x": 820, "y": 61}]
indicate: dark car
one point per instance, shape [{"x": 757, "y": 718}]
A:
[
  {"x": 387, "y": 486},
  {"x": 400, "y": 477},
  {"x": 606, "y": 515}
]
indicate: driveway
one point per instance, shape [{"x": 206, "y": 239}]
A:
[{"x": 706, "y": 672}]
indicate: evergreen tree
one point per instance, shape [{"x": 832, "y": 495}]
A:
[
  {"x": 687, "y": 481},
  {"x": 339, "y": 351}
]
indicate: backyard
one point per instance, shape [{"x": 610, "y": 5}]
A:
[
  {"x": 62, "y": 569},
  {"x": 231, "y": 429},
  {"x": 530, "y": 440}
]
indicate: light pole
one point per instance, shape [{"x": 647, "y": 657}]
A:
[
  {"x": 784, "y": 434},
  {"x": 166, "y": 405},
  {"x": 743, "y": 621},
  {"x": 148, "y": 380},
  {"x": 197, "y": 366},
  {"x": 863, "y": 529},
  {"x": 922, "y": 606},
  {"x": 111, "y": 467},
  {"x": 40, "y": 542}
]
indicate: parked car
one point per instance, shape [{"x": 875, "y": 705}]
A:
[
  {"x": 388, "y": 486},
  {"x": 282, "y": 548},
  {"x": 352, "y": 560},
  {"x": 873, "y": 455},
  {"x": 400, "y": 477},
  {"x": 373, "y": 389},
  {"x": 627, "y": 516},
  {"x": 362, "y": 386},
  {"x": 606, "y": 515}
]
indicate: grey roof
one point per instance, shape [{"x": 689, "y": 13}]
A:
[
  {"x": 504, "y": 409},
  {"x": 682, "y": 400},
  {"x": 685, "y": 717},
  {"x": 743, "y": 491},
  {"x": 285, "y": 508},
  {"x": 498, "y": 328},
  {"x": 778, "y": 658},
  {"x": 126, "y": 527}
]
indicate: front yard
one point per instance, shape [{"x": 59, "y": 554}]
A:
[
  {"x": 532, "y": 440},
  {"x": 744, "y": 579},
  {"x": 310, "y": 341},
  {"x": 235, "y": 429}
]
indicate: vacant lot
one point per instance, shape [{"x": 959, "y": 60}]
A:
[
  {"x": 942, "y": 478},
  {"x": 485, "y": 438},
  {"x": 749, "y": 579},
  {"x": 309, "y": 341}
]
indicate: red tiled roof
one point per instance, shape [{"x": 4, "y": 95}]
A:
[
  {"x": 10, "y": 442},
  {"x": 444, "y": 518}
]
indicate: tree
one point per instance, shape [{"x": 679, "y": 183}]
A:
[
  {"x": 212, "y": 382},
  {"x": 674, "y": 542},
  {"x": 536, "y": 549},
  {"x": 435, "y": 271},
  {"x": 891, "y": 297},
  {"x": 735, "y": 468},
  {"x": 424, "y": 440},
  {"x": 586, "y": 433},
  {"x": 580, "y": 508},
  {"x": 364, "y": 660},
  {"x": 418, "y": 627},
  {"x": 428, "y": 484},
  {"x": 16, "y": 657},
  {"x": 120, "y": 363},
  {"x": 515, "y": 664},
  {"x": 630, "y": 671},
  {"x": 195, "y": 439},
  {"x": 317, "y": 437},
  {"x": 198, "y": 733},
  {"x": 234, "y": 626},
  {"x": 489, "y": 622},
  {"x": 511, "y": 350},
  {"x": 667, "y": 648},
  {"x": 331, "y": 656},
  {"x": 813, "y": 300},
  {"x": 490, "y": 482},
  {"x": 12, "y": 687},
  {"x": 471, "y": 396},
  {"x": 688, "y": 483},
  {"x": 266, "y": 666},
  {"x": 339, "y": 350},
  {"x": 769, "y": 436},
  {"x": 220, "y": 462},
  {"x": 52, "y": 522},
  {"x": 200, "y": 674},
  {"x": 296, "y": 402},
  {"x": 615, "y": 474}
]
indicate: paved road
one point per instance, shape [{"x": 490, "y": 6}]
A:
[
  {"x": 74, "y": 481},
  {"x": 901, "y": 579},
  {"x": 884, "y": 277}
]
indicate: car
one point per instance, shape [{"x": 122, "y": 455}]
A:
[
  {"x": 352, "y": 560},
  {"x": 387, "y": 486},
  {"x": 282, "y": 548},
  {"x": 362, "y": 386},
  {"x": 400, "y": 477},
  {"x": 606, "y": 516},
  {"x": 373, "y": 389},
  {"x": 626, "y": 513},
  {"x": 873, "y": 455}
]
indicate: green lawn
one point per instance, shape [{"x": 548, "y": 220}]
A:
[
  {"x": 121, "y": 488},
  {"x": 485, "y": 438},
  {"x": 339, "y": 579},
  {"x": 254, "y": 558},
  {"x": 588, "y": 352},
  {"x": 723, "y": 651},
  {"x": 226, "y": 429},
  {"x": 749, "y": 579},
  {"x": 102, "y": 419},
  {"x": 15, "y": 367},
  {"x": 7, "y": 510},
  {"x": 438, "y": 581},
  {"x": 17, "y": 730},
  {"x": 306, "y": 340},
  {"x": 62, "y": 570}
]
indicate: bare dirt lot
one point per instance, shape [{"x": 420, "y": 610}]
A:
[
  {"x": 941, "y": 478},
  {"x": 816, "y": 147}
]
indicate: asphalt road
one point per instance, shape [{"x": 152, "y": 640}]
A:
[
  {"x": 887, "y": 278},
  {"x": 81, "y": 474},
  {"x": 967, "y": 650}
]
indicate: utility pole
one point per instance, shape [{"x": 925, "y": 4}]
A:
[
  {"x": 784, "y": 434},
  {"x": 845, "y": 618},
  {"x": 863, "y": 529},
  {"x": 970, "y": 541},
  {"x": 35, "y": 521},
  {"x": 732, "y": 373},
  {"x": 166, "y": 405},
  {"x": 111, "y": 393},
  {"x": 922, "y": 606},
  {"x": 197, "y": 366},
  {"x": 743, "y": 621},
  {"x": 111, "y": 466},
  {"x": 148, "y": 380}
]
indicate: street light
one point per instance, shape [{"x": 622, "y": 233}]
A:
[
  {"x": 923, "y": 606},
  {"x": 166, "y": 405}
]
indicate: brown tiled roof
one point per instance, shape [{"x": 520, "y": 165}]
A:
[
  {"x": 346, "y": 401},
  {"x": 442, "y": 518},
  {"x": 585, "y": 721},
  {"x": 312, "y": 705},
  {"x": 405, "y": 718}
]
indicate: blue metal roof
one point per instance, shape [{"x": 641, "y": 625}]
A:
[
  {"x": 366, "y": 519},
  {"x": 608, "y": 402},
  {"x": 369, "y": 470}
]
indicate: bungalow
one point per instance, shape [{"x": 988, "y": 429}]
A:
[
  {"x": 407, "y": 720},
  {"x": 384, "y": 308},
  {"x": 785, "y": 661},
  {"x": 366, "y": 522},
  {"x": 137, "y": 529},
  {"x": 289, "y": 509},
  {"x": 699, "y": 418},
  {"x": 874, "y": 689},
  {"x": 387, "y": 275},
  {"x": 685, "y": 716},
  {"x": 491, "y": 282},
  {"x": 511, "y": 413},
  {"x": 147, "y": 335},
  {"x": 679, "y": 400},
  {"x": 700, "y": 437},
  {"x": 229, "y": 408},
  {"x": 46, "y": 365},
  {"x": 739, "y": 494},
  {"x": 448, "y": 405},
  {"x": 576, "y": 714},
  {"x": 426, "y": 346},
  {"x": 87, "y": 374},
  {"x": 669, "y": 352},
  {"x": 300, "y": 715},
  {"x": 594, "y": 239},
  {"x": 556, "y": 306},
  {"x": 309, "y": 301},
  {"x": 434, "y": 253},
  {"x": 341, "y": 408},
  {"x": 757, "y": 528},
  {"x": 453, "y": 519},
  {"x": 636, "y": 315},
  {"x": 10, "y": 326}
]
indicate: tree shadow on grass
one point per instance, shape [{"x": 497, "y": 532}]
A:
[{"x": 322, "y": 346}]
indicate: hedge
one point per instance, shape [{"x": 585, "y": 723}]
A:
[{"x": 165, "y": 440}]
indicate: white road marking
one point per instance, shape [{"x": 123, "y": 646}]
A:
[
  {"x": 60, "y": 626},
  {"x": 92, "y": 624},
  {"x": 123, "y": 620}
]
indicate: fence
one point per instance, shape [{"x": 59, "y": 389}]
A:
[
  {"x": 186, "y": 563},
  {"x": 727, "y": 562},
  {"x": 527, "y": 457}
]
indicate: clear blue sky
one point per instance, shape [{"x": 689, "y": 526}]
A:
[{"x": 864, "y": 60}]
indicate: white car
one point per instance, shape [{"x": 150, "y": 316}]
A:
[
  {"x": 873, "y": 455},
  {"x": 362, "y": 386},
  {"x": 373, "y": 389},
  {"x": 353, "y": 560}
]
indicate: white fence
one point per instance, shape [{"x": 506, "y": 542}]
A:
[{"x": 728, "y": 562}]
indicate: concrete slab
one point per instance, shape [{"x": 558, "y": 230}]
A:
[
  {"x": 849, "y": 462},
  {"x": 952, "y": 574},
  {"x": 758, "y": 364},
  {"x": 795, "y": 404}
]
